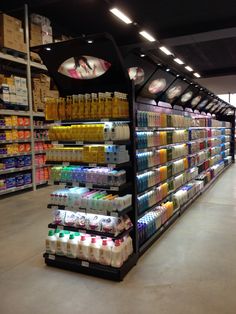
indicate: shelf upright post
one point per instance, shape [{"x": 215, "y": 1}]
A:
[{"x": 29, "y": 85}]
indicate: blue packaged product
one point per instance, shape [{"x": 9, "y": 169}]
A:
[
  {"x": 27, "y": 161},
  {"x": 27, "y": 178},
  {"x": 10, "y": 182},
  {"x": 9, "y": 163},
  {"x": 19, "y": 180},
  {"x": 20, "y": 162}
]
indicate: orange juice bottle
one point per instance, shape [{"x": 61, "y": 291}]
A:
[
  {"x": 186, "y": 163},
  {"x": 163, "y": 119},
  {"x": 61, "y": 108},
  {"x": 101, "y": 105},
  {"x": 68, "y": 110},
  {"x": 81, "y": 102},
  {"x": 108, "y": 105},
  {"x": 87, "y": 106},
  {"x": 116, "y": 104},
  {"x": 163, "y": 138}
]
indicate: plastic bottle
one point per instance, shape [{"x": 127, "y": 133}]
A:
[
  {"x": 51, "y": 241},
  {"x": 83, "y": 248},
  {"x": 94, "y": 251},
  {"x": 61, "y": 246},
  {"x": 105, "y": 253},
  {"x": 72, "y": 247},
  {"x": 116, "y": 255}
]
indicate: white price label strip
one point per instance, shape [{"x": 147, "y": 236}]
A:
[
  {"x": 85, "y": 264},
  {"x": 52, "y": 257}
]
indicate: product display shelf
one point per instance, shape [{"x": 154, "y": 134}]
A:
[
  {"x": 97, "y": 120},
  {"x": 120, "y": 188},
  {"x": 117, "y": 213},
  {"x": 8, "y": 112},
  {"x": 170, "y": 194},
  {"x": 14, "y": 128},
  {"x": 85, "y": 267},
  {"x": 12, "y": 170},
  {"x": 82, "y": 143},
  {"x": 93, "y": 165},
  {"x": 15, "y": 141},
  {"x": 16, "y": 189},
  {"x": 84, "y": 230},
  {"x": 42, "y": 140},
  {"x": 14, "y": 155},
  {"x": 38, "y": 152},
  {"x": 144, "y": 247}
]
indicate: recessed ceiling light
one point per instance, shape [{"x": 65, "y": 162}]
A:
[
  {"x": 179, "y": 61},
  {"x": 177, "y": 75},
  {"x": 147, "y": 36},
  {"x": 48, "y": 48},
  {"x": 189, "y": 68},
  {"x": 121, "y": 15},
  {"x": 165, "y": 50},
  {"x": 167, "y": 70},
  {"x": 90, "y": 41},
  {"x": 196, "y": 74},
  {"x": 142, "y": 55}
]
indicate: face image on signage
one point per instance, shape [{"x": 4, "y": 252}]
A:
[
  {"x": 196, "y": 101},
  {"x": 202, "y": 104},
  {"x": 136, "y": 74},
  {"x": 84, "y": 67},
  {"x": 186, "y": 97},
  {"x": 157, "y": 86},
  {"x": 174, "y": 92}
]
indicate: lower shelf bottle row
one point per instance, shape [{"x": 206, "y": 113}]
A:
[
  {"x": 152, "y": 221},
  {"x": 93, "y": 249}
]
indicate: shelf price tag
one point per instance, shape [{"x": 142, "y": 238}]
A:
[
  {"x": 111, "y": 166},
  {"x": 51, "y": 257},
  {"x": 60, "y": 227},
  {"x": 89, "y": 185},
  {"x": 85, "y": 264},
  {"x": 65, "y": 163},
  {"x": 79, "y": 143},
  {"x": 114, "y": 214},
  {"x": 55, "y": 142},
  {"x": 82, "y": 231},
  {"x": 92, "y": 165},
  {"x": 108, "y": 142},
  {"x": 105, "y": 120},
  {"x": 114, "y": 188}
]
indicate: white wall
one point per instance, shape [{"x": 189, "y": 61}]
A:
[{"x": 220, "y": 84}]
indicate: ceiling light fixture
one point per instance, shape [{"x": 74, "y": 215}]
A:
[
  {"x": 121, "y": 15},
  {"x": 165, "y": 50},
  {"x": 196, "y": 74},
  {"x": 167, "y": 70},
  {"x": 90, "y": 41},
  {"x": 147, "y": 36},
  {"x": 142, "y": 55},
  {"x": 189, "y": 68},
  {"x": 179, "y": 61},
  {"x": 48, "y": 48}
]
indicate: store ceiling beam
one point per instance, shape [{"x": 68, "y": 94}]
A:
[{"x": 200, "y": 37}]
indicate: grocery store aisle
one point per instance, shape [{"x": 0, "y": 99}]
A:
[{"x": 191, "y": 269}]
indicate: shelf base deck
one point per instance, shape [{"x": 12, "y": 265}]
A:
[{"x": 106, "y": 272}]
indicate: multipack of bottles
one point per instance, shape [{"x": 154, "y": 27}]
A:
[
  {"x": 199, "y": 133},
  {"x": 102, "y": 176},
  {"x": 88, "y": 106},
  {"x": 187, "y": 192},
  {"x": 101, "y": 154},
  {"x": 162, "y": 120},
  {"x": 152, "y": 197},
  {"x": 93, "y": 249},
  {"x": 153, "y": 220},
  {"x": 107, "y": 224},
  {"x": 90, "y": 132},
  {"x": 154, "y": 138},
  {"x": 148, "y": 159},
  {"x": 90, "y": 200}
]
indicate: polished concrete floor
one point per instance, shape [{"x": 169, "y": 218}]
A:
[{"x": 191, "y": 269}]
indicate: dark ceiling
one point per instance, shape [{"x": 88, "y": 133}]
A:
[{"x": 202, "y": 33}]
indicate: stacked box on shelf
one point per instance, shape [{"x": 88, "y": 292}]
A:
[
  {"x": 13, "y": 91},
  {"x": 11, "y": 33}
]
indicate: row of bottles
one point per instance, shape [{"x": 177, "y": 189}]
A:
[{"x": 89, "y": 248}]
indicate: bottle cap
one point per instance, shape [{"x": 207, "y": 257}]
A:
[
  {"x": 61, "y": 235},
  {"x": 50, "y": 233},
  {"x": 104, "y": 242},
  {"x": 93, "y": 240},
  {"x": 117, "y": 242},
  {"x": 72, "y": 236},
  {"x": 83, "y": 238}
]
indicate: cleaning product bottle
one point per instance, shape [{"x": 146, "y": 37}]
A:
[
  {"x": 72, "y": 246},
  {"x": 116, "y": 255},
  {"x": 94, "y": 251},
  {"x": 105, "y": 253},
  {"x": 61, "y": 247},
  {"x": 83, "y": 248},
  {"x": 51, "y": 241}
]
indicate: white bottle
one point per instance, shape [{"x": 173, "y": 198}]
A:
[
  {"x": 72, "y": 247},
  {"x": 116, "y": 255},
  {"x": 94, "y": 251},
  {"x": 129, "y": 245},
  {"x": 51, "y": 241},
  {"x": 83, "y": 248},
  {"x": 123, "y": 250},
  {"x": 61, "y": 247},
  {"x": 105, "y": 253}
]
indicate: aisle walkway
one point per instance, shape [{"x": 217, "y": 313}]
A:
[{"x": 191, "y": 269}]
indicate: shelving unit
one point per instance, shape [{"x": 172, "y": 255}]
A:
[{"x": 198, "y": 167}]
